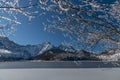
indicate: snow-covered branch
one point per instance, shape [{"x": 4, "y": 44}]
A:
[
  {"x": 86, "y": 21},
  {"x": 89, "y": 21}
]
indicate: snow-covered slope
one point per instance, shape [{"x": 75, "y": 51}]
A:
[
  {"x": 45, "y": 46},
  {"x": 67, "y": 48},
  {"x": 111, "y": 55},
  {"x": 57, "y": 54},
  {"x": 9, "y": 49}
]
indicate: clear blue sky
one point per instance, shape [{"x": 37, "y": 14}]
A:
[{"x": 33, "y": 33}]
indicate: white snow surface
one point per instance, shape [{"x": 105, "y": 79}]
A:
[
  {"x": 5, "y": 51},
  {"x": 61, "y": 74},
  {"x": 115, "y": 56}
]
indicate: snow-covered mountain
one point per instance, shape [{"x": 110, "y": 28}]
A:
[
  {"x": 11, "y": 50},
  {"x": 45, "y": 46},
  {"x": 67, "y": 48},
  {"x": 111, "y": 55},
  {"x": 57, "y": 54}
]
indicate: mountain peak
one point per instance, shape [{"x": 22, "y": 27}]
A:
[
  {"x": 2, "y": 35},
  {"x": 66, "y": 47}
]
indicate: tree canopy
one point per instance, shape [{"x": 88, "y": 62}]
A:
[{"x": 89, "y": 22}]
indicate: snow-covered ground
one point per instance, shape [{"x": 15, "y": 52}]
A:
[
  {"x": 42, "y": 70},
  {"x": 61, "y": 74}
]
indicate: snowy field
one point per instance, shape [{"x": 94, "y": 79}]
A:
[
  {"x": 42, "y": 70},
  {"x": 61, "y": 74}
]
